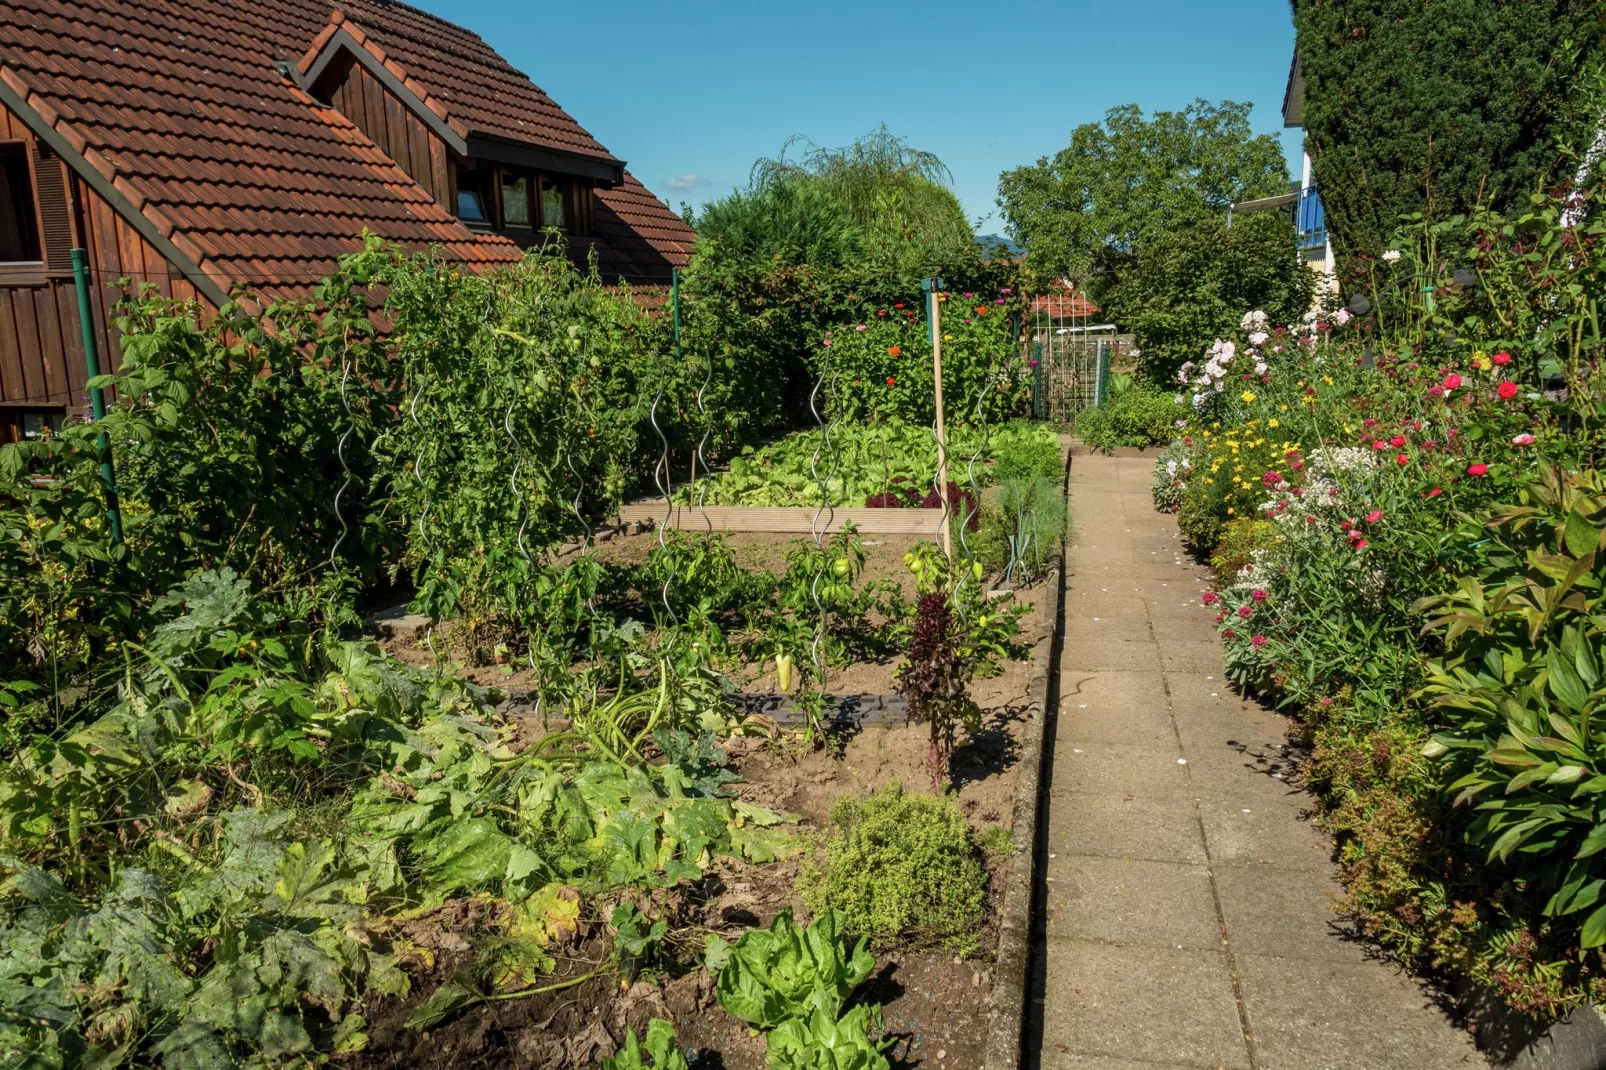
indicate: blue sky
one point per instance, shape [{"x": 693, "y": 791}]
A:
[{"x": 690, "y": 94}]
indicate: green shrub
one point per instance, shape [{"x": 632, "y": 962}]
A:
[
  {"x": 1171, "y": 470},
  {"x": 902, "y": 868},
  {"x": 1518, "y": 691},
  {"x": 1025, "y": 530},
  {"x": 1198, "y": 518},
  {"x": 1237, "y": 545},
  {"x": 1137, "y": 416}
]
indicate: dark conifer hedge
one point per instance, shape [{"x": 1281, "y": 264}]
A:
[{"x": 1431, "y": 105}]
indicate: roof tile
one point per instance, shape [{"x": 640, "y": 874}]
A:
[{"x": 178, "y": 104}]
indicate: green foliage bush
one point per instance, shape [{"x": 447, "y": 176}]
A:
[
  {"x": 1025, "y": 450},
  {"x": 902, "y": 868},
  {"x": 1184, "y": 286},
  {"x": 1136, "y": 416}
]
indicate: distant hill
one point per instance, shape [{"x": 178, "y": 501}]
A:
[{"x": 987, "y": 241}]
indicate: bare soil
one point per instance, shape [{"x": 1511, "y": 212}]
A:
[{"x": 935, "y": 1005}]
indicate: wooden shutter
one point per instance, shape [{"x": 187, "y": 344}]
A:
[{"x": 56, "y": 237}]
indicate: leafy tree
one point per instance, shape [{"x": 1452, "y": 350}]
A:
[
  {"x": 1129, "y": 179},
  {"x": 1179, "y": 289},
  {"x": 1433, "y": 106}
]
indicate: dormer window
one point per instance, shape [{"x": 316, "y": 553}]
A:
[
  {"x": 515, "y": 199},
  {"x": 553, "y": 213},
  {"x": 520, "y": 201},
  {"x": 473, "y": 200}
]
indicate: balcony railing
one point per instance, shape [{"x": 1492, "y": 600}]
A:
[{"x": 1310, "y": 219}]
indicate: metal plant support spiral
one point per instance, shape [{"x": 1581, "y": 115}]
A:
[
  {"x": 827, "y": 382},
  {"x": 418, "y": 475},
  {"x": 340, "y": 451},
  {"x": 994, "y": 377},
  {"x": 703, "y": 442},
  {"x": 660, "y": 476}
]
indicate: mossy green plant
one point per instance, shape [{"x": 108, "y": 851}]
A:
[{"x": 902, "y": 867}]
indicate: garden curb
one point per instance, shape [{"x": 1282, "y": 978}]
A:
[{"x": 1006, "y": 1028}]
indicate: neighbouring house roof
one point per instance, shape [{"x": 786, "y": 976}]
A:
[
  {"x": 176, "y": 110},
  {"x": 1063, "y": 300},
  {"x": 1294, "y": 95}
]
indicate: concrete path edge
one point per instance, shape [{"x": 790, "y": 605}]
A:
[{"x": 1006, "y": 1029}]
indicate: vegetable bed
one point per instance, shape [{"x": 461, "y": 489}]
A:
[{"x": 933, "y": 989}]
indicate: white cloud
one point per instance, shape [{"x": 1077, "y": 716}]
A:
[{"x": 681, "y": 183}]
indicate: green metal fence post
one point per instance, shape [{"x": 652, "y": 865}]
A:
[
  {"x": 97, "y": 399},
  {"x": 674, "y": 283},
  {"x": 1039, "y": 402}
]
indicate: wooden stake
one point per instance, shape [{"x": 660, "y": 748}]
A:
[{"x": 942, "y": 430}]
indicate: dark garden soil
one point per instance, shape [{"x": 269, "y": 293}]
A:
[{"x": 935, "y": 1004}]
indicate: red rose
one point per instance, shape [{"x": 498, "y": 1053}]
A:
[
  {"x": 1452, "y": 381},
  {"x": 1501, "y": 358},
  {"x": 1477, "y": 470},
  {"x": 1434, "y": 493},
  {"x": 1402, "y": 459},
  {"x": 892, "y": 380},
  {"x": 1380, "y": 445},
  {"x": 1507, "y": 389},
  {"x": 897, "y": 306},
  {"x": 1397, "y": 440}
]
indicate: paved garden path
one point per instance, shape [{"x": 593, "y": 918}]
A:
[{"x": 1187, "y": 899}]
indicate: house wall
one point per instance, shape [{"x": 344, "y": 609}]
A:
[
  {"x": 399, "y": 133},
  {"x": 41, "y": 341}
]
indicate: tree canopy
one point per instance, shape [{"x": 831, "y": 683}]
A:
[
  {"x": 1432, "y": 106},
  {"x": 1128, "y": 178}
]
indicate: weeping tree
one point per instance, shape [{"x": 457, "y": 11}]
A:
[
  {"x": 900, "y": 196},
  {"x": 1434, "y": 106}
]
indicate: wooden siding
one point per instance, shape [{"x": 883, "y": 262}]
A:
[
  {"x": 41, "y": 341},
  {"x": 359, "y": 96}
]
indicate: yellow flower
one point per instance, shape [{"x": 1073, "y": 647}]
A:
[
  {"x": 1328, "y": 379},
  {"x": 1282, "y": 408},
  {"x": 1481, "y": 361},
  {"x": 1247, "y": 396},
  {"x": 1231, "y": 511},
  {"x": 1273, "y": 421}
]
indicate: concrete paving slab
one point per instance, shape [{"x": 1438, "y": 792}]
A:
[
  {"x": 1263, "y": 830},
  {"x": 1347, "y": 1017},
  {"x": 1117, "y": 769},
  {"x": 1094, "y": 655},
  {"x": 1150, "y": 1004},
  {"x": 1109, "y": 691},
  {"x": 1126, "y": 901},
  {"x": 1271, "y": 912},
  {"x": 1120, "y": 826},
  {"x": 1069, "y": 1060}
]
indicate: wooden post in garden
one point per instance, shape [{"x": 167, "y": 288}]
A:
[{"x": 933, "y": 288}]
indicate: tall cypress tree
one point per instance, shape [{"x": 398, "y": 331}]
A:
[{"x": 1433, "y": 105}]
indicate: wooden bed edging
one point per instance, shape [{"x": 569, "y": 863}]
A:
[{"x": 791, "y": 519}]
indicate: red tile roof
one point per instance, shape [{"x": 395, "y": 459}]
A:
[
  {"x": 178, "y": 105},
  {"x": 1064, "y": 300}
]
